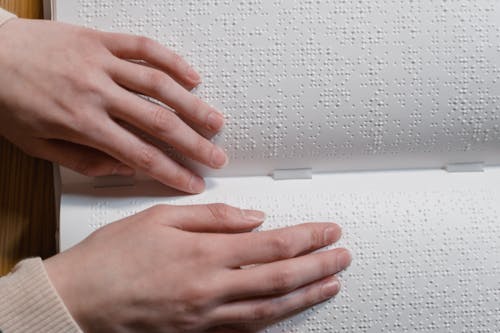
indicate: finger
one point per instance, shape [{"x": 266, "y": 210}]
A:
[
  {"x": 166, "y": 126},
  {"x": 269, "y": 246},
  {"x": 187, "y": 85},
  {"x": 135, "y": 152},
  {"x": 216, "y": 217},
  {"x": 268, "y": 310},
  {"x": 142, "y": 48},
  {"x": 286, "y": 275},
  {"x": 82, "y": 159},
  {"x": 202, "y": 130},
  {"x": 154, "y": 83}
]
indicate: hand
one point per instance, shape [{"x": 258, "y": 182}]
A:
[
  {"x": 195, "y": 269},
  {"x": 66, "y": 95}
]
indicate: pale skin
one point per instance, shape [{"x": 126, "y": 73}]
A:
[
  {"x": 169, "y": 268},
  {"x": 79, "y": 82},
  {"x": 177, "y": 269}
]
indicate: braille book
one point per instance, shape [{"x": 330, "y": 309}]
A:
[{"x": 380, "y": 115}]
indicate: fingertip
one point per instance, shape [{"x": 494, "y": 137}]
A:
[
  {"x": 219, "y": 158},
  {"x": 215, "y": 121},
  {"x": 196, "y": 184},
  {"x": 330, "y": 287},
  {"x": 344, "y": 258},
  {"x": 253, "y": 216},
  {"x": 193, "y": 76},
  {"x": 332, "y": 233}
]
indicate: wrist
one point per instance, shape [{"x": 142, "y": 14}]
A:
[
  {"x": 66, "y": 287},
  {"x": 79, "y": 289}
]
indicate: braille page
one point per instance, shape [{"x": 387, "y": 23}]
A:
[
  {"x": 332, "y": 85},
  {"x": 425, "y": 244},
  {"x": 336, "y": 86}
]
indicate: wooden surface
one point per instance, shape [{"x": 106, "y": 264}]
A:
[
  {"x": 27, "y": 209},
  {"x": 24, "y": 8}
]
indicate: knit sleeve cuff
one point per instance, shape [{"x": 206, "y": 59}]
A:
[
  {"x": 5, "y": 16},
  {"x": 30, "y": 303}
]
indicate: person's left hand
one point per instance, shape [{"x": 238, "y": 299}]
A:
[{"x": 173, "y": 269}]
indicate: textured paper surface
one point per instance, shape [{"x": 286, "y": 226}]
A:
[
  {"x": 333, "y": 85},
  {"x": 425, "y": 244},
  {"x": 343, "y": 85}
]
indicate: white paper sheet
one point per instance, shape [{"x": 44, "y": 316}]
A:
[
  {"x": 425, "y": 243},
  {"x": 332, "y": 85}
]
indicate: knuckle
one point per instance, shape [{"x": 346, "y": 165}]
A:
[
  {"x": 325, "y": 266},
  {"x": 81, "y": 123},
  {"x": 194, "y": 298},
  {"x": 157, "y": 81},
  {"x": 146, "y": 158},
  {"x": 82, "y": 32},
  {"x": 316, "y": 238},
  {"x": 281, "y": 282},
  {"x": 177, "y": 60},
  {"x": 90, "y": 34},
  {"x": 159, "y": 209},
  {"x": 88, "y": 78},
  {"x": 219, "y": 211},
  {"x": 88, "y": 90},
  {"x": 201, "y": 251},
  {"x": 84, "y": 166},
  {"x": 144, "y": 44},
  {"x": 281, "y": 247},
  {"x": 264, "y": 311},
  {"x": 187, "y": 322},
  {"x": 163, "y": 122}
]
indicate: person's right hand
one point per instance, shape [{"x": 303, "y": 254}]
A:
[
  {"x": 195, "y": 269},
  {"x": 66, "y": 92}
]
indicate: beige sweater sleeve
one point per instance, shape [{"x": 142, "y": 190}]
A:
[
  {"x": 30, "y": 303},
  {"x": 5, "y": 16}
]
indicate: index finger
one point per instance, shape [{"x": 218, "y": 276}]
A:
[
  {"x": 268, "y": 246},
  {"x": 134, "y": 47}
]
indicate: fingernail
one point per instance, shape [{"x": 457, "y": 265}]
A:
[
  {"x": 219, "y": 158},
  {"x": 123, "y": 170},
  {"x": 330, "y": 235},
  {"x": 196, "y": 184},
  {"x": 193, "y": 75},
  {"x": 344, "y": 259},
  {"x": 215, "y": 121},
  {"x": 330, "y": 288},
  {"x": 253, "y": 215}
]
